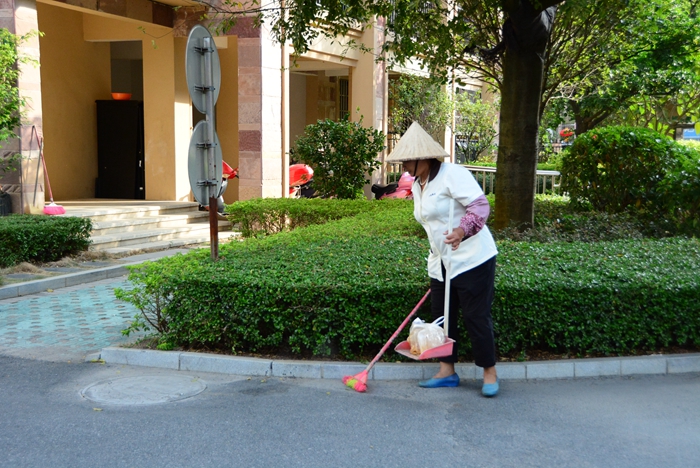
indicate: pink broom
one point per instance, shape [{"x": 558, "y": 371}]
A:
[
  {"x": 51, "y": 208},
  {"x": 358, "y": 382}
]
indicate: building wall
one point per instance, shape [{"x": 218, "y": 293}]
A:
[
  {"x": 74, "y": 74},
  {"x": 297, "y": 106}
]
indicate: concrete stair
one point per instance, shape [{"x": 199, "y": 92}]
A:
[{"x": 127, "y": 227}]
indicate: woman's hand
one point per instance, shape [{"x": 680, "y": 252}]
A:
[{"x": 455, "y": 238}]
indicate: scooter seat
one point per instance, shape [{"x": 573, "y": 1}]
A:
[
  {"x": 379, "y": 191},
  {"x": 400, "y": 194}
]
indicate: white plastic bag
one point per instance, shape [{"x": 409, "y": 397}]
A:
[
  {"x": 424, "y": 336},
  {"x": 416, "y": 326}
]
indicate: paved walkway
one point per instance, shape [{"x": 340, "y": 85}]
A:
[{"x": 65, "y": 323}]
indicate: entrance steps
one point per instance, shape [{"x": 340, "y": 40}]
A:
[{"x": 127, "y": 227}]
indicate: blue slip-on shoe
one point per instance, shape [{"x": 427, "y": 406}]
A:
[
  {"x": 449, "y": 381},
  {"x": 490, "y": 389}
]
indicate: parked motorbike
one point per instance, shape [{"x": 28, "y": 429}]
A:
[
  {"x": 227, "y": 173},
  {"x": 402, "y": 189},
  {"x": 300, "y": 181}
]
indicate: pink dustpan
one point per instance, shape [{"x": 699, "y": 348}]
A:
[{"x": 443, "y": 350}]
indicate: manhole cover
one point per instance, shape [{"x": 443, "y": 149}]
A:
[{"x": 144, "y": 390}]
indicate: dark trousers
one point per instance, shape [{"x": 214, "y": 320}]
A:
[{"x": 471, "y": 291}]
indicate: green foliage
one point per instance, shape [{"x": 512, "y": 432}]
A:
[
  {"x": 31, "y": 238},
  {"x": 314, "y": 290},
  {"x": 625, "y": 62},
  {"x": 341, "y": 155},
  {"x": 665, "y": 112},
  {"x": 11, "y": 102},
  {"x": 614, "y": 168},
  {"x": 418, "y": 99},
  {"x": 693, "y": 144},
  {"x": 340, "y": 289},
  {"x": 682, "y": 191},
  {"x": 557, "y": 220},
  {"x": 475, "y": 124},
  {"x": 601, "y": 298},
  {"x": 264, "y": 216}
]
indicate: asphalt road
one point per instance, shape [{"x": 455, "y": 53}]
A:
[{"x": 239, "y": 422}]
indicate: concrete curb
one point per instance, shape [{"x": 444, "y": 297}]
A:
[
  {"x": 81, "y": 277},
  {"x": 563, "y": 369},
  {"x": 64, "y": 281}
]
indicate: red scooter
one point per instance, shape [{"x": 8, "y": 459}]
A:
[
  {"x": 227, "y": 173},
  {"x": 300, "y": 180},
  {"x": 402, "y": 189}
]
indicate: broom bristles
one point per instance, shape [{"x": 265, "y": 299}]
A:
[
  {"x": 54, "y": 209},
  {"x": 356, "y": 382}
]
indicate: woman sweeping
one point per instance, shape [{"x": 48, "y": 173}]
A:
[{"x": 438, "y": 188}]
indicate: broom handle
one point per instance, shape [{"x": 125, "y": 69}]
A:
[
  {"x": 46, "y": 173},
  {"x": 396, "y": 333},
  {"x": 36, "y": 178},
  {"x": 448, "y": 274}
]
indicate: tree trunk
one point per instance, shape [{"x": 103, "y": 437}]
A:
[{"x": 521, "y": 94}]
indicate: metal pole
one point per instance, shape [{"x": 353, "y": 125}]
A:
[
  {"x": 284, "y": 70},
  {"x": 209, "y": 102}
]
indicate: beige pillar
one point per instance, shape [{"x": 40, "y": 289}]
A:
[
  {"x": 369, "y": 89},
  {"x": 227, "y": 109},
  {"x": 183, "y": 122},
  {"x": 159, "y": 101}
]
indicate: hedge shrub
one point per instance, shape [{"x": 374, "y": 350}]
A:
[
  {"x": 598, "y": 298},
  {"x": 341, "y": 154},
  {"x": 31, "y": 238},
  {"x": 617, "y": 167},
  {"x": 682, "y": 192},
  {"x": 340, "y": 289},
  {"x": 264, "y": 216},
  {"x": 322, "y": 290}
]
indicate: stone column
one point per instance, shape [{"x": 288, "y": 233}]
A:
[
  {"x": 259, "y": 112},
  {"x": 26, "y": 185}
]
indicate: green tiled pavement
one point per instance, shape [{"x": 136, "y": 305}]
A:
[{"x": 82, "y": 318}]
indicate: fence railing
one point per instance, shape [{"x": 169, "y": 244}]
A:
[{"x": 547, "y": 181}]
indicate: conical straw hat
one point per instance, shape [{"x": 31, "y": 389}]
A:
[{"x": 416, "y": 144}]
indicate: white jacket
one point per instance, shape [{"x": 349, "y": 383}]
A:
[{"x": 454, "y": 186}]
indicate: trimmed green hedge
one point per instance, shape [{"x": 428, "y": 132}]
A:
[
  {"x": 600, "y": 298},
  {"x": 341, "y": 289},
  {"x": 32, "y": 238},
  {"x": 617, "y": 169},
  {"x": 263, "y": 216}
]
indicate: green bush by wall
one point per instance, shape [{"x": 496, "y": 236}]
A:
[
  {"x": 31, "y": 238},
  {"x": 616, "y": 168}
]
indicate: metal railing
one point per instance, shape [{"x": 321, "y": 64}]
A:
[{"x": 547, "y": 181}]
